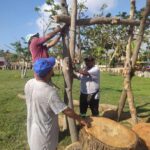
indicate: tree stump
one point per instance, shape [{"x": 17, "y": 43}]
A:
[
  {"x": 74, "y": 146},
  {"x": 106, "y": 134},
  {"x": 143, "y": 131}
]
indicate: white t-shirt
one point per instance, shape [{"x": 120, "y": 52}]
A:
[
  {"x": 43, "y": 107},
  {"x": 90, "y": 84}
]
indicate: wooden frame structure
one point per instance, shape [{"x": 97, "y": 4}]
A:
[{"x": 69, "y": 49}]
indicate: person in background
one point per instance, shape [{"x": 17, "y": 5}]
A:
[
  {"x": 43, "y": 107},
  {"x": 39, "y": 46},
  {"x": 89, "y": 77}
]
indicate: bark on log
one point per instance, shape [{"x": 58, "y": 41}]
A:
[
  {"x": 106, "y": 134},
  {"x": 98, "y": 20},
  {"x": 143, "y": 131},
  {"x": 74, "y": 146}
]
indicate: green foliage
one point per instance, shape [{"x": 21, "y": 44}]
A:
[
  {"x": 82, "y": 9},
  {"x": 49, "y": 2},
  {"x": 139, "y": 13},
  {"x": 55, "y": 7},
  {"x": 144, "y": 56},
  {"x": 22, "y": 52},
  {"x": 108, "y": 37},
  {"x": 1, "y": 53},
  {"x": 14, "y": 58},
  {"x": 101, "y": 40},
  {"x": 37, "y": 9},
  {"x": 123, "y": 15}
]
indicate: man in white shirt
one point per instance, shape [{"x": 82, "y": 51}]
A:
[
  {"x": 43, "y": 107},
  {"x": 89, "y": 89}
]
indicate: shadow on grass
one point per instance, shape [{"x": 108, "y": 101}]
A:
[
  {"x": 63, "y": 134},
  {"x": 112, "y": 114},
  {"x": 144, "y": 105},
  {"x": 148, "y": 120},
  {"x": 142, "y": 112},
  {"x": 110, "y": 89}
]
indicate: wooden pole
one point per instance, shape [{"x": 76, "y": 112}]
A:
[
  {"x": 98, "y": 20},
  {"x": 73, "y": 29},
  {"x": 67, "y": 76},
  {"x": 127, "y": 89}
]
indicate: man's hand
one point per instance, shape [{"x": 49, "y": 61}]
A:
[
  {"x": 84, "y": 72},
  {"x": 81, "y": 71},
  {"x": 58, "y": 29},
  {"x": 85, "y": 122},
  {"x": 70, "y": 113},
  {"x": 64, "y": 29}
]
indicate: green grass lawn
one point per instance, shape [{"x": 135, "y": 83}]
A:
[{"x": 13, "y": 109}]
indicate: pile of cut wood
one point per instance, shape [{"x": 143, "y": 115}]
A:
[{"x": 106, "y": 134}]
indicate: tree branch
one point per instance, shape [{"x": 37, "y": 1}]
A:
[{"x": 97, "y": 20}]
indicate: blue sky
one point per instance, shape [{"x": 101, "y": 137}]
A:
[{"x": 18, "y": 18}]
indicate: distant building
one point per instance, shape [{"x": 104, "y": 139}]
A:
[{"x": 2, "y": 62}]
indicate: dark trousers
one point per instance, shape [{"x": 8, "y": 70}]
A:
[{"x": 88, "y": 100}]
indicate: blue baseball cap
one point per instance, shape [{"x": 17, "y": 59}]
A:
[{"x": 43, "y": 65}]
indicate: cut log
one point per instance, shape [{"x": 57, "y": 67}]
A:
[
  {"x": 74, "y": 146},
  {"x": 143, "y": 131},
  {"x": 106, "y": 134}
]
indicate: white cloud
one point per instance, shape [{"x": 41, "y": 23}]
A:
[{"x": 95, "y": 5}]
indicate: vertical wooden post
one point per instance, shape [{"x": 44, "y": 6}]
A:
[
  {"x": 127, "y": 90},
  {"x": 73, "y": 29},
  {"x": 130, "y": 64},
  {"x": 68, "y": 55}
]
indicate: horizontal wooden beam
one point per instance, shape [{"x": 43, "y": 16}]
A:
[{"x": 97, "y": 20}]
